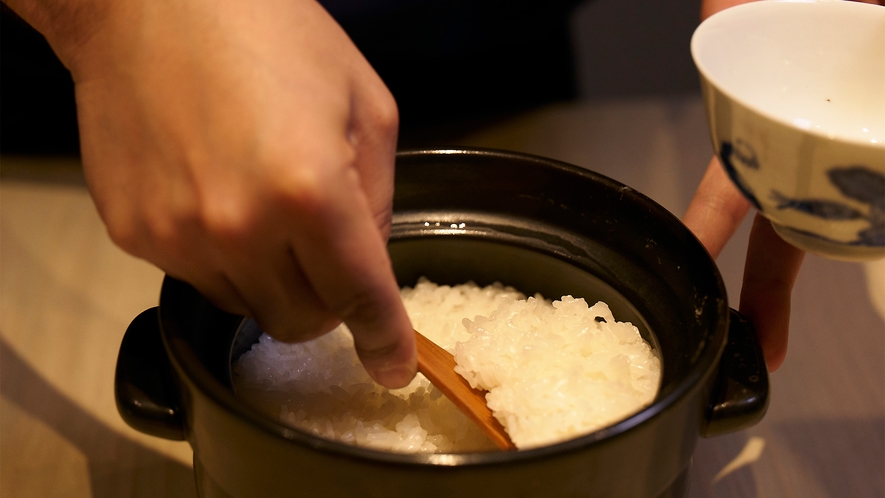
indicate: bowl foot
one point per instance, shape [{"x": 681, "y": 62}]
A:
[{"x": 827, "y": 248}]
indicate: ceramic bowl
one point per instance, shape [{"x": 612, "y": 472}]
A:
[
  {"x": 534, "y": 223},
  {"x": 795, "y": 100}
]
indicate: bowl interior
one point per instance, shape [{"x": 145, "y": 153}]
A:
[
  {"x": 818, "y": 66},
  {"x": 550, "y": 228}
]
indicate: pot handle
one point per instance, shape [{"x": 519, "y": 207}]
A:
[
  {"x": 144, "y": 385},
  {"x": 739, "y": 397}
]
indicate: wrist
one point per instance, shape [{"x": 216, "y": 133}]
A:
[{"x": 710, "y": 7}]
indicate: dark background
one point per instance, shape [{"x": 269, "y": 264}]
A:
[{"x": 453, "y": 65}]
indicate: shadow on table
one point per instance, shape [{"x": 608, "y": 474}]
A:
[
  {"x": 829, "y": 457},
  {"x": 118, "y": 467},
  {"x": 710, "y": 457},
  {"x": 842, "y": 457}
]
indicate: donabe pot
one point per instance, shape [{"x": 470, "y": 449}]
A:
[{"x": 537, "y": 224}]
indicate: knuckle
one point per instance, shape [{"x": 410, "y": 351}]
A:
[
  {"x": 369, "y": 353},
  {"x": 377, "y": 117},
  {"x": 306, "y": 186},
  {"x": 361, "y": 307},
  {"x": 223, "y": 213},
  {"x": 123, "y": 233},
  {"x": 226, "y": 219},
  {"x": 300, "y": 188},
  {"x": 166, "y": 224},
  {"x": 386, "y": 115},
  {"x": 137, "y": 231},
  {"x": 384, "y": 220}
]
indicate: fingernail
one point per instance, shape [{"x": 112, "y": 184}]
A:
[{"x": 395, "y": 377}]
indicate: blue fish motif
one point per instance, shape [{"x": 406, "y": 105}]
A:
[
  {"x": 857, "y": 183},
  {"x": 874, "y": 236},
  {"x": 829, "y": 210},
  {"x": 860, "y": 184}
]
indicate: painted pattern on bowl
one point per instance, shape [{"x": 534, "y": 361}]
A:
[{"x": 800, "y": 130}]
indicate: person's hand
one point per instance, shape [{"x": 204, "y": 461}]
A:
[
  {"x": 246, "y": 148},
  {"x": 771, "y": 267}
]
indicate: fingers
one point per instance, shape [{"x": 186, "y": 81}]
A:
[
  {"x": 218, "y": 289},
  {"x": 301, "y": 274},
  {"x": 373, "y": 132},
  {"x": 344, "y": 257},
  {"x": 772, "y": 265},
  {"x": 322, "y": 259},
  {"x": 278, "y": 294},
  {"x": 716, "y": 210},
  {"x": 769, "y": 275},
  {"x": 370, "y": 304}
]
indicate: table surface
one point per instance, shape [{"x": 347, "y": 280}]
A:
[{"x": 67, "y": 294}]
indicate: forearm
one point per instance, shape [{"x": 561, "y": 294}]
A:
[
  {"x": 66, "y": 24},
  {"x": 710, "y": 7}
]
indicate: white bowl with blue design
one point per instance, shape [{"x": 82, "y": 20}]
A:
[{"x": 795, "y": 99}]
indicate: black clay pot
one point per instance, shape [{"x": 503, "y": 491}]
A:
[{"x": 539, "y": 225}]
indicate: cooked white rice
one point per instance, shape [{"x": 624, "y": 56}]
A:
[{"x": 553, "y": 371}]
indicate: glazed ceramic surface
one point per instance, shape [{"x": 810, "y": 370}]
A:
[
  {"x": 795, "y": 99},
  {"x": 537, "y": 224}
]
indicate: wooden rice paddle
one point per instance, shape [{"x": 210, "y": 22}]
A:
[{"x": 439, "y": 367}]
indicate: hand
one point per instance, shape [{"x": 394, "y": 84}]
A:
[
  {"x": 246, "y": 148},
  {"x": 772, "y": 265}
]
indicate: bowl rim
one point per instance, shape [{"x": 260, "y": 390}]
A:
[
  {"x": 181, "y": 297},
  {"x": 723, "y": 16}
]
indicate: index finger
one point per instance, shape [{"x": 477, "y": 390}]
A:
[
  {"x": 716, "y": 210},
  {"x": 769, "y": 276},
  {"x": 344, "y": 256}
]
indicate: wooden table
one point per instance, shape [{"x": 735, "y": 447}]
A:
[{"x": 67, "y": 294}]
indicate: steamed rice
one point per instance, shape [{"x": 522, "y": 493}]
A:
[{"x": 553, "y": 371}]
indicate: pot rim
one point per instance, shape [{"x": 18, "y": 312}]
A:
[{"x": 177, "y": 297}]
